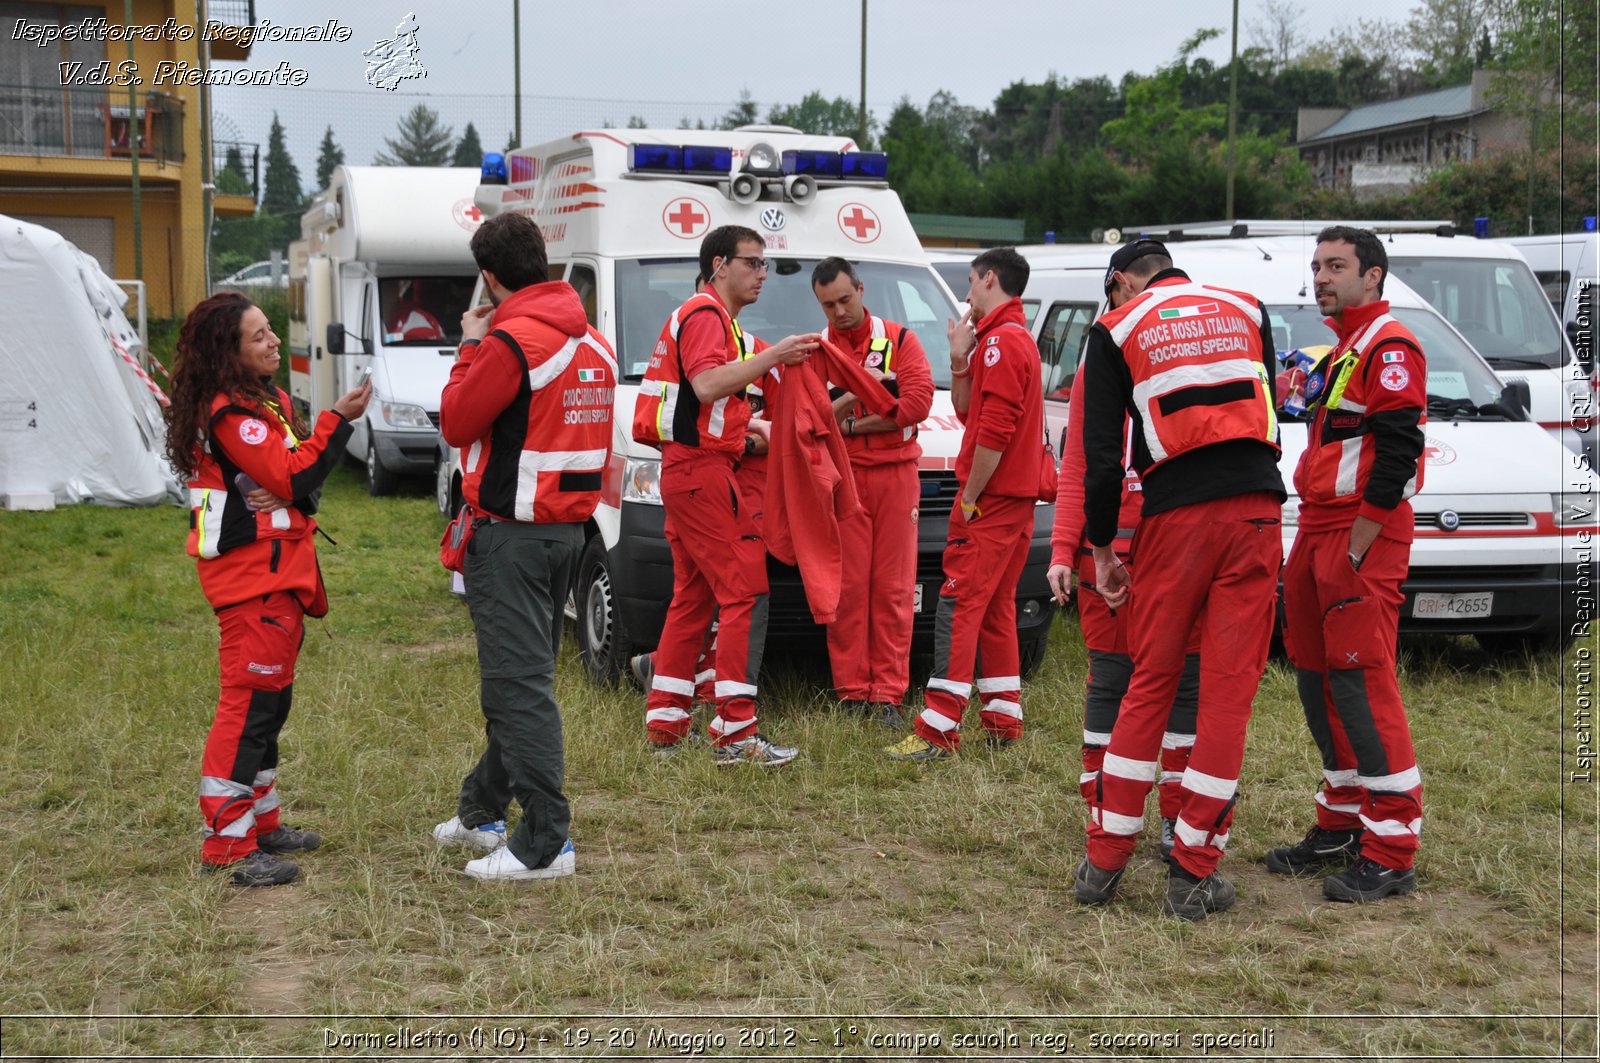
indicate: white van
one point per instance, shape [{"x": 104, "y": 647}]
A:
[
  {"x": 1567, "y": 266},
  {"x": 623, "y": 212},
  {"x": 379, "y": 280},
  {"x": 1501, "y": 504}
]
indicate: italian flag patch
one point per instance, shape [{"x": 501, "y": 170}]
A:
[
  {"x": 1393, "y": 356},
  {"x": 590, "y": 376},
  {"x": 1188, "y": 311}
]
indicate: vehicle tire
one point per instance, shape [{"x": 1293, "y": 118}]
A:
[
  {"x": 1031, "y": 647},
  {"x": 380, "y": 481},
  {"x": 1511, "y": 644},
  {"x": 603, "y": 643},
  {"x": 446, "y": 490}
]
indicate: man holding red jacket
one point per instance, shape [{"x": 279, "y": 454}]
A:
[
  {"x": 997, "y": 390},
  {"x": 869, "y": 644}
]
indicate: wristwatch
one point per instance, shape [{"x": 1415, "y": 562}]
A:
[{"x": 1355, "y": 559}]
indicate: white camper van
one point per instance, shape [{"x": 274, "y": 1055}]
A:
[
  {"x": 1502, "y": 511},
  {"x": 1567, "y": 266},
  {"x": 623, "y": 212},
  {"x": 379, "y": 280}
]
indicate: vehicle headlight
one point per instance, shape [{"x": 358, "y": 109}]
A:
[
  {"x": 404, "y": 415},
  {"x": 641, "y": 481},
  {"x": 1573, "y": 508}
]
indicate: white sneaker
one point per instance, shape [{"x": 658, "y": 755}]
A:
[
  {"x": 503, "y": 866},
  {"x": 486, "y": 837}
]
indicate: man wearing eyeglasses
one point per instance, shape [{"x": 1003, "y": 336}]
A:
[{"x": 693, "y": 405}]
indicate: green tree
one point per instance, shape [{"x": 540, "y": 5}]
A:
[
  {"x": 329, "y": 155},
  {"x": 232, "y": 180},
  {"x": 839, "y": 117},
  {"x": 744, "y": 112},
  {"x": 636, "y": 121},
  {"x": 421, "y": 141},
  {"x": 469, "y": 152},
  {"x": 1444, "y": 37},
  {"x": 282, "y": 198}
]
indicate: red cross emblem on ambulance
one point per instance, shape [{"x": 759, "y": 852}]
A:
[
  {"x": 686, "y": 218},
  {"x": 859, "y": 223}
]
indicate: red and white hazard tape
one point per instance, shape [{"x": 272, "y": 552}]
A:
[{"x": 122, "y": 352}]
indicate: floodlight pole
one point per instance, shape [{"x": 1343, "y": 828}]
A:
[
  {"x": 1233, "y": 108},
  {"x": 861, "y": 120}
]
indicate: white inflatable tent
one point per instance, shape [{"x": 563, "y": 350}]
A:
[{"x": 78, "y": 420}]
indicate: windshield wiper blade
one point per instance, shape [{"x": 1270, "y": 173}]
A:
[{"x": 1498, "y": 360}]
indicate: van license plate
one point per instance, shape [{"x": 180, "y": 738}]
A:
[
  {"x": 916, "y": 599},
  {"x": 1452, "y": 606}
]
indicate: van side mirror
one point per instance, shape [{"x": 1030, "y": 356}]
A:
[
  {"x": 335, "y": 342},
  {"x": 1517, "y": 396}
]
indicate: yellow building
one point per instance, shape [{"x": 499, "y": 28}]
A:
[{"x": 70, "y": 134}]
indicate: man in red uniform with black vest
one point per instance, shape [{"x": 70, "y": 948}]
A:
[
  {"x": 529, "y": 403},
  {"x": 1190, "y": 364},
  {"x": 1341, "y": 588},
  {"x": 692, "y": 404},
  {"x": 869, "y": 644},
  {"x": 997, "y": 390}
]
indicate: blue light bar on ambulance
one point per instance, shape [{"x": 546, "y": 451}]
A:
[
  {"x": 815, "y": 163},
  {"x": 837, "y": 165},
  {"x": 671, "y": 158},
  {"x": 493, "y": 171},
  {"x": 865, "y": 166}
]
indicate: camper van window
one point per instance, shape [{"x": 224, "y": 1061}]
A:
[
  {"x": 1030, "y": 310},
  {"x": 648, "y": 290},
  {"x": 1554, "y": 282},
  {"x": 423, "y": 311},
  {"x": 1498, "y": 306},
  {"x": 1454, "y": 370}
]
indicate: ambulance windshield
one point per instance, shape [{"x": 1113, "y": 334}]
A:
[{"x": 649, "y": 290}]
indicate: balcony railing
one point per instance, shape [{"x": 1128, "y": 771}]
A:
[
  {"x": 89, "y": 123},
  {"x": 249, "y": 159}
]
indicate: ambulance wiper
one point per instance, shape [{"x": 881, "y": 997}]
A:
[{"x": 1457, "y": 409}]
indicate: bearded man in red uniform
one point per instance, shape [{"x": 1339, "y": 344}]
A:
[
  {"x": 997, "y": 390},
  {"x": 869, "y": 645},
  {"x": 1341, "y": 588}
]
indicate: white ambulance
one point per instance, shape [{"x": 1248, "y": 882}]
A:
[
  {"x": 623, "y": 213},
  {"x": 1505, "y": 517},
  {"x": 379, "y": 280}
]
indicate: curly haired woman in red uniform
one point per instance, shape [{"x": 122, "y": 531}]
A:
[{"x": 254, "y": 472}]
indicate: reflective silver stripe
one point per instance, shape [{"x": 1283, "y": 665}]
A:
[
  {"x": 266, "y": 777},
  {"x": 1124, "y": 768},
  {"x": 724, "y": 728},
  {"x": 1196, "y": 838},
  {"x": 1399, "y": 782},
  {"x": 1097, "y": 738},
  {"x": 267, "y": 802},
  {"x": 1161, "y": 296},
  {"x": 1347, "y": 777},
  {"x": 727, "y": 688},
  {"x": 239, "y": 828},
  {"x": 1117, "y": 823},
  {"x": 1344, "y": 482},
  {"x": 211, "y": 786},
  {"x": 474, "y": 452},
  {"x": 1185, "y": 376},
  {"x": 280, "y": 519},
  {"x": 936, "y": 721},
  {"x": 207, "y": 503},
  {"x": 1003, "y": 708},
  {"x": 1174, "y": 740},
  {"x": 718, "y": 420},
  {"x": 1209, "y": 785},
  {"x": 670, "y": 685},
  {"x": 1348, "y": 809},
  {"x": 999, "y": 684},
  {"x": 959, "y": 690},
  {"x": 548, "y": 370},
  {"x": 1393, "y": 828},
  {"x": 668, "y": 715},
  {"x": 533, "y": 462}
]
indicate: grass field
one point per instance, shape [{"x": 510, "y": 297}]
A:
[{"x": 890, "y": 902}]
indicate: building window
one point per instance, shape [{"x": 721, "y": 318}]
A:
[{"x": 37, "y": 112}]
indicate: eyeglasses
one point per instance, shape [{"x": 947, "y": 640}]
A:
[{"x": 756, "y": 263}]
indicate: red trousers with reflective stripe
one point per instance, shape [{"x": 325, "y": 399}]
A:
[
  {"x": 719, "y": 568},
  {"x": 1340, "y": 630},
  {"x": 1212, "y": 565},
  {"x": 869, "y": 644},
  {"x": 238, "y": 793},
  {"x": 977, "y": 619}
]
